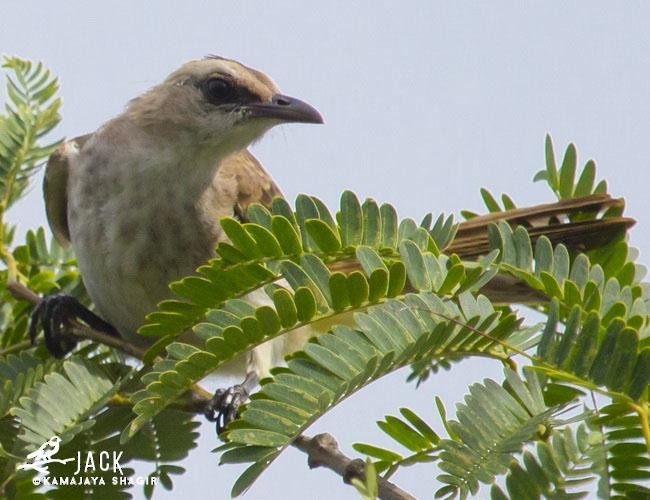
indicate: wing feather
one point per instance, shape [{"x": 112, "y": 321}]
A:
[
  {"x": 55, "y": 187},
  {"x": 251, "y": 182}
]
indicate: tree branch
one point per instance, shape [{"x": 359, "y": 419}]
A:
[
  {"x": 21, "y": 292},
  {"x": 323, "y": 451}
]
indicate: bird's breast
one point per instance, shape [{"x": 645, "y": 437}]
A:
[{"x": 133, "y": 234}]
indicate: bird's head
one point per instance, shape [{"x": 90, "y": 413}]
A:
[{"x": 219, "y": 103}]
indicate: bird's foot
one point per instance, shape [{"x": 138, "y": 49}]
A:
[
  {"x": 224, "y": 405},
  {"x": 223, "y": 408},
  {"x": 54, "y": 313}
]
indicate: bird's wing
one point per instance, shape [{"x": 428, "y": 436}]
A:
[
  {"x": 252, "y": 184},
  {"x": 55, "y": 187},
  {"x": 569, "y": 221}
]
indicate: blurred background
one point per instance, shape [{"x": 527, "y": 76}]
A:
[{"x": 424, "y": 103}]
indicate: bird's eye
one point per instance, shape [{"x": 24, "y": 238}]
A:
[{"x": 220, "y": 91}]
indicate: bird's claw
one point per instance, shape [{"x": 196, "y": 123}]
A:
[
  {"x": 54, "y": 313},
  {"x": 224, "y": 405}
]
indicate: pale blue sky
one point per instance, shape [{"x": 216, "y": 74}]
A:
[{"x": 424, "y": 103}]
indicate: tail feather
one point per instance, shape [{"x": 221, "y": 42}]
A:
[{"x": 582, "y": 224}]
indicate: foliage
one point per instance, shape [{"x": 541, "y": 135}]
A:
[
  {"x": 383, "y": 293},
  {"x": 30, "y": 113},
  {"x": 40, "y": 397}
]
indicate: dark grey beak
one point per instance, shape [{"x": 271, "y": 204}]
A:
[{"x": 285, "y": 109}]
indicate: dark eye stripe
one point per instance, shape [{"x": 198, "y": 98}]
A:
[{"x": 224, "y": 91}]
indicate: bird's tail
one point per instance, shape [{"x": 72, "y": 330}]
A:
[{"x": 581, "y": 224}]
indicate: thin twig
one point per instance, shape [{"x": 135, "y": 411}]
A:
[
  {"x": 323, "y": 451},
  {"x": 118, "y": 343},
  {"x": 21, "y": 292},
  {"x": 194, "y": 400}
]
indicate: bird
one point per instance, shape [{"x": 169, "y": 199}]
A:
[{"x": 140, "y": 199}]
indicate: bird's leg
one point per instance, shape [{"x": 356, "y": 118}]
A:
[
  {"x": 54, "y": 313},
  {"x": 224, "y": 405}
]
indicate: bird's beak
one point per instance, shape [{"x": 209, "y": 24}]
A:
[{"x": 285, "y": 109}]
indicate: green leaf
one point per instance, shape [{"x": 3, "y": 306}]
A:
[
  {"x": 245, "y": 454},
  {"x": 240, "y": 238},
  {"x": 420, "y": 425},
  {"x": 286, "y": 234},
  {"x": 267, "y": 244},
  {"x": 389, "y": 226},
  {"x": 305, "y": 209},
  {"x": 568, "y": 338},
  {"x": 586, "y": 346},
  {"x": 641, "y": 376},
  {"x": 543, "y": 255},
  {"x": 247, "y": 478},
  {"x": 371, "y": 223},
  {"x": 491, "y": 204},
  {"x": 370, "y": 260},
  {"x": 339, "y": 291},
  {"x": 324, "y": 213},
  {"x": 332, "y": 361},
  {"x": 453, "y": 278},
  {"x": 508, "y": 204},
  {"x": 260, "y": 215},
  {"x": 623, "y": 359},
  {"x": 551, "y": 286},
  {"x": 305, "y": 304},
  {"x": 585, "y": 185},
  {"x": 376, "y": 452},
  {"x": 285, "y": 307},
  {"x": 551, "y": 169},
  {"x": 280, "y": 207},
  {"x": 323, "y": 235},
  {"x": 403, "y": 434},
  {"x": 524, "y": 249},
  {"x": 414, "y": 263},
  {"x": 567, "y": 172},
  {"x": 351, "y": 220},
  {"x": 377, "y": 285},
  {"x": 396, "y": 279},
  {"x": 318, "y": 273},
  {"x": 600, "y": 366},
  {"x": 358, "y": 288}
]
